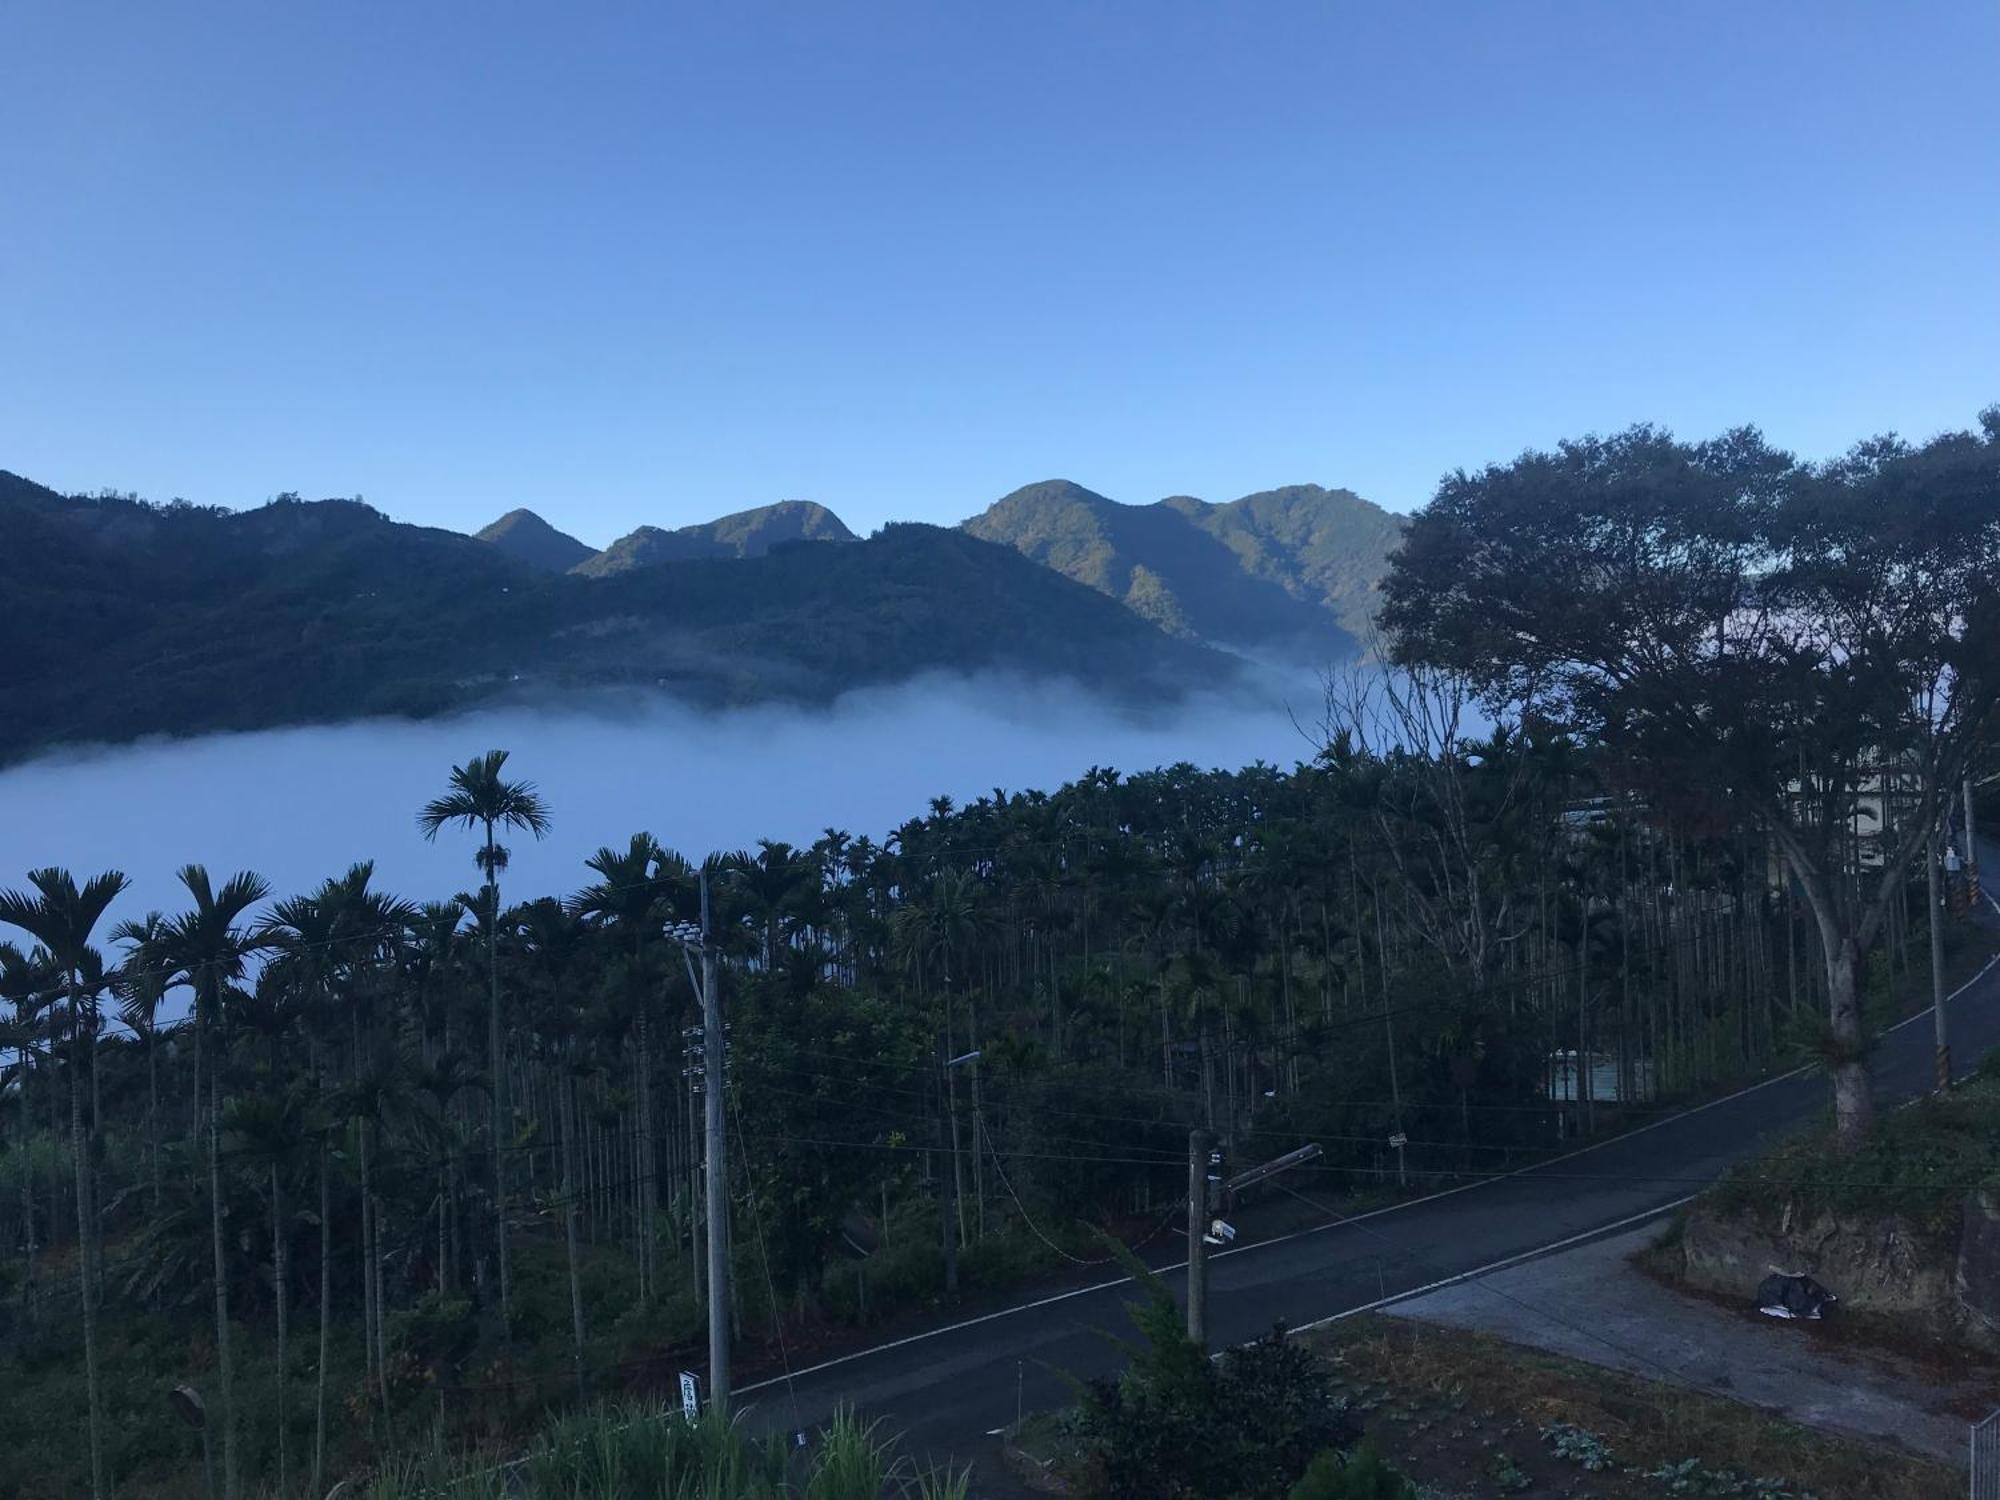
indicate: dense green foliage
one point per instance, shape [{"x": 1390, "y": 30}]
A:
[
  {"x": 1176, "y": 1425},
  {"x": 127, "y": 619},
  {"x": 1288, "y": 956},
  {"x": 1814, "y": 646},
  {"x": 748, "y": 533},
  {"x": 1918, "y": 1164},
  {"x": 1291, "y": 570},
  {"x": 1360, "y": 1473}
]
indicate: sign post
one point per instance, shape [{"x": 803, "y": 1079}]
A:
[{"x": 690, "y": 1396}]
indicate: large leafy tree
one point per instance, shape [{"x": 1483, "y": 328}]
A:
[
  {"x": 60, "y": 915},
  {"x": 481, "y": 798},
  {"x": 1803, "y": 644}
]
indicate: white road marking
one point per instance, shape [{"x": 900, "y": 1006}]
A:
[
  {"x": 1499, "y": 1265},
  {"x": 1393, "y": 1208}
]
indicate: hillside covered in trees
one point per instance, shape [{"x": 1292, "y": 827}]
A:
[
  {"x": 128, "y": 619},
  {"x": 309, "y": 1100},
  {"x": 1290, "y": 571}
]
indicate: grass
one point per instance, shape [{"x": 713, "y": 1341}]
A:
[
  {"x": 650, "y": 1452},
  {"x": 1462, "y": 1410},
  {"x": 1468, "y": 1415},
  {"x": 1917, "y": 1164}
]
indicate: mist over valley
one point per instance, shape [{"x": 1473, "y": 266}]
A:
[{"x": 298, "y": 805}]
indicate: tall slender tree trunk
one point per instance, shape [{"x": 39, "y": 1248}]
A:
[
  {"x": 499, "y": 1093},
  {"x": 86, "y": 1264},
  {"x": 152, "y": 1110},
  {"x": 283, "y": 1297},
  {"x": 325, "y": 1323},
  {"x": 568, "y": 1107},
  {"x": 978, "y": 1123},
  {"x": 367, "y": 1260},
  {"x": 27, "y": 1205},
  {"x": 649, "y": 1174},
  {"x": 224, "y": 1356},
  {"x": 444, "y": 1223},
  {"x": 96, "y": 1246},
  {"x": 373, "y": 1208}
]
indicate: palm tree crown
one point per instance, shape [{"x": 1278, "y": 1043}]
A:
[{"x": 481, "y": 798}]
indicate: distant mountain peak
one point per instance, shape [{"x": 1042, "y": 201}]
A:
[
  {"x": 524, "y": 535},
  {"x": 745, "y": 533},
  {"x": 1294, "y": 568}
]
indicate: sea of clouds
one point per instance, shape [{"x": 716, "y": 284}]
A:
[{"x": 298, "y": 805}]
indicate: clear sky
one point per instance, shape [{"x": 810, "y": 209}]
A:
[{"x": 655, "y": 262}]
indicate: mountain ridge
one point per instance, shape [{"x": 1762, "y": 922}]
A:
[
  {"x": 181, "y": 619},
  {"x": 1292, "y": 570},
  {"x": 743, "y": 533}
]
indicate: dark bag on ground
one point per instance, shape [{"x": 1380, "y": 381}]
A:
[{"x": 1782, "y": 1296}]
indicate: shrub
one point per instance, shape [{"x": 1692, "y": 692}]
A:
[
  {"x": 438, "y": 1331},
  {"x": 1175, "y": 1426},
  {"x": 1363, "y": 1474}
]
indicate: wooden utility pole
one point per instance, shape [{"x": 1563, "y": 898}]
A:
[
  {"x": 1199, "y": 1143},
  {"x": 1933, "y": 853},
  {"x": 1971, "y": 852},
  {"x": 948, "y": 1177},
  {"x": 714, "y": 1063}
]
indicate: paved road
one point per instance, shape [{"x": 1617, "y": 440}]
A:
[{"x": 946, "y": 1390}]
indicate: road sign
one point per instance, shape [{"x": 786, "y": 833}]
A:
[
  {"x": 690, "y": 1396},
  {"x": 1399, "y": 1140}
]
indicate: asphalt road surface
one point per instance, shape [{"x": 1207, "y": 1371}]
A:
[{"x": 946, "y": 1390}]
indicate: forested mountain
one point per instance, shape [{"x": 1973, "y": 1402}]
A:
[
  {"x": 1291, "y": 569},
  {"x": 127, "y": 619},
  {"x": 747, "y": 533},
  {"x": 525, "y": 535},
  {"x": 130, "y": 618}
]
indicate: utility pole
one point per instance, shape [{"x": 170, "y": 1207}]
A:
[
  {"x": 1933, "y": 853},
  {"x": 948, "y": 1141},
  {"x": 948, "y": 1177},
  {"x": 714, "y": 1062},
  {"x": 1971, "y": 852},
  {"x": 1199, "y": 1143}
]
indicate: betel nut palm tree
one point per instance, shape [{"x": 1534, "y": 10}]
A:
[
  {"x": 482, "y": 799},
  {"x": 61, "y": 916}
]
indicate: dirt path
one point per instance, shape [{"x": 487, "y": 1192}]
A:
[{"x": 1591, "y": 1303}]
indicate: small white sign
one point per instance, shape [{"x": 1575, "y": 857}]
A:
[
  {"x": 1399, "y": 1140},
  {"x": 690, "y": 1396}
]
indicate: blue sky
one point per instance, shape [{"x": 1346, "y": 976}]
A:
[{"x": 656, "y": 262}]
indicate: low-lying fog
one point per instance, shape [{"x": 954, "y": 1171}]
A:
[{"x": 298, "y": 805}]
